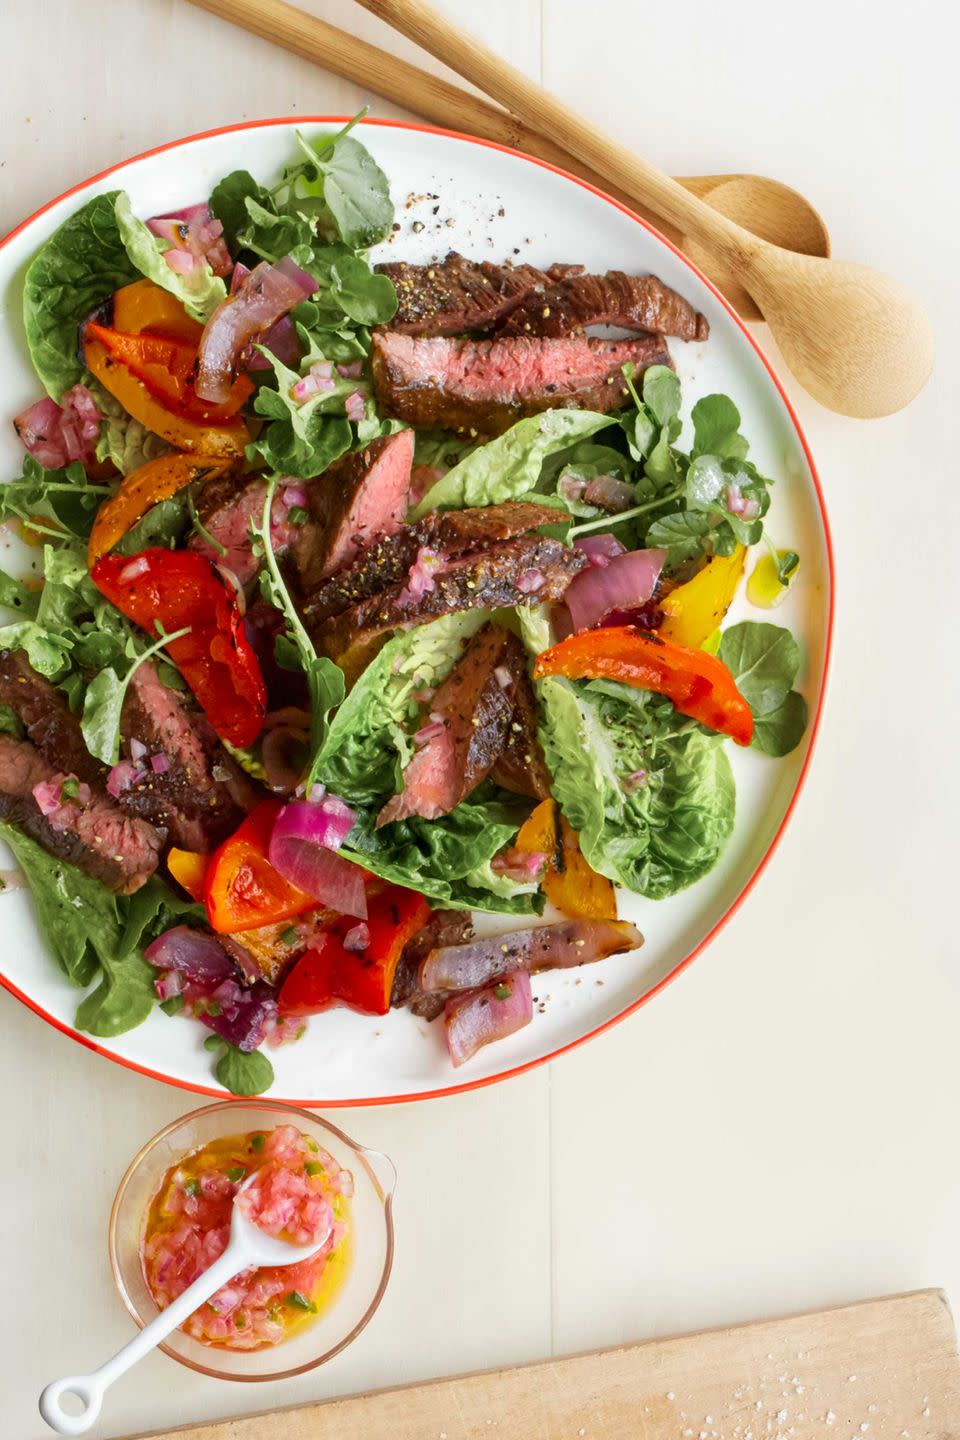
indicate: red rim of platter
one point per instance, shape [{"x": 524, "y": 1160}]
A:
[{"x": 466, "y": 1085}]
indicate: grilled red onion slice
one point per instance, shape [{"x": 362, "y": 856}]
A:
[
  {"x": 626, "y": 582},
  {"x": 260, "y": 299},
  {"x": 197, "y": 956},
  {"x": 610, "y": 493},
  {"x": 303, "y": 845},
  {"x": 481, "y": 1016},
  {"x": 600, "y": 549}
]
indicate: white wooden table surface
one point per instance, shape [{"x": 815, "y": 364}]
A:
[{"x": 779, "y": 1129}]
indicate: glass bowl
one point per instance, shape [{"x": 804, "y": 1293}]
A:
[{"x": 370, "y": 1263}]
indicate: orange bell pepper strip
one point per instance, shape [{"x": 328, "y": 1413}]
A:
[
  {"x": 144, "y": 308},
  {"x": 181, "y": 590},
  {"x": 188, "y": 868},
  {"x": 166, "y": 367},
  {"x": 140, "y": 490},
  {"x": 242, "y": 890},
  {"x": 699, "y": 684},
  {"x": 570, "y": 883},
  {"x": 226, "y": 437},
  {"x": 329, "y": 972}
]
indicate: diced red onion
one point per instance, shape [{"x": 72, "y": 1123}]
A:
[
  {"x": 168, "y": 984},
  {"x": 232, "y": 580},
  {"x": 137, "y": 567},
  {"x": 124, "y": 775},
  {"x": 420, "y": 579},
  {"x": 530, "y": 582},
  {"x": 137, "y": 750},
  {"x": 84, "y": 793},
  {"x": 634, "y": 781},
  {"x": 625, "y": 582},
  {"x": 159, "y": 764},
  {"x": 195, "y": 236},
  {"x": 355, "y": 406},
  {"x": 56, "y": 435},
  {"x": 739, "y": 504},
  {"x": 47, "y": 794},
  {"x": 610, "y": 493},
  {"x": 570, "y": 487},
  {"x": 294, "y": 495},
  {"x": 426, "y": 733},
  {"x": 260, "y": 299},
  {"x": 503, "y": 677},
  {"x": 523, "y": 866},
  {"x": 197, "y": 956},
  {"x": 353, "y": 371},
  {"x": 599, "y": 549},
  {"x": 357, "y": 939},
  {"x": 478, "y": 1017},
  {"x": 322, "y": 369},
  {"x": 303, "y": 847},
  {"x": 317, "y": 792},
  {"x": 311, "y": 385},
  {"x": 244, "y": 1023}
]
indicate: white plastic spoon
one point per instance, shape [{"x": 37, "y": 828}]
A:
[{"x": 248, "y": 1246}]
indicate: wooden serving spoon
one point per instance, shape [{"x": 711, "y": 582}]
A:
[
  {"x": 857, "y": 339},
  {"x": 770, "y": 209}
]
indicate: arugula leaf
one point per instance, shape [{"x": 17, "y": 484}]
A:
[
  {"x": 656, "y": 836},
  {"x": 200, "y": 292},
  {"x": 510, "y": 465},
  {"x": 242, "y": 1072},
  {"x": 164, "y": 524},
  {"x": 228, "y": 203},
  {"x": 59, "y": 503},
  {"x": 325, "y": 682},
  {"x": 779, "y": 731},
  {"x": 716, "y": 428},
  {"x": 15, "y": 596},
  {"x": 764, "y": 660},
  {"x": 103, "y": 703},
  {"x": 354, "y": 188},
  {"x": 48, "y": 654},
  {"x": 81, "y": 264}
]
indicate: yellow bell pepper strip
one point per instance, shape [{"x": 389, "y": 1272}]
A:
[
  {"x": 140, "y": 490},
  {"x": 144, "y": 308},
  {"x": 700, "y": 685},
  {"x": 198, "y": 437},
  {"x": 693, "y": 611},
  {"x": 569, "y": 882},
  {"x": 188, "y": 868}
]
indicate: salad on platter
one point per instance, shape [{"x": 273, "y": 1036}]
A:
[{"x": 364, "y": 597}]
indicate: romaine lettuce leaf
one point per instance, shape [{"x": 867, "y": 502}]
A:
[
  {"x": 651, "y": 795},
  {"x": 81, "y": 264},
  {"x": 510, "y": 465},
  {"x": 362, "y": 761},
  {"x": 200, "y": 292}
]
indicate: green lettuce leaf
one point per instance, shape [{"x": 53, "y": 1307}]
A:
[
  {"x": 510, "y": 465},
  {"x": 200, "y": 292},
  {"x": 122, "y": 439},
  {"x": 81, "y": 264},
  {"x": 764, "y": 660},
  {"x": 657, "y": 836},
  {"x": 362, "y": 761}
]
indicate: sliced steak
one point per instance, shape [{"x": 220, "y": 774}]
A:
[
  {"x": 469, "y": 723},
  {"x": 202, "y": 795},
  {"x": 452, "y": 533},
  {"x": 49, "y": 723},
  {"x": 525, "y": 571},
  {"x": 227, "y": 505},
  {"x": 521, "y": 766},
  {"x": 631, "y": 302},
  {"x": 119, "y": 851},
  {"x": 358, "y": 500},
  {"x": 445, "y": 927},
  {"x": 456, "y": 294},
  {"x": 484, "y": 386}
]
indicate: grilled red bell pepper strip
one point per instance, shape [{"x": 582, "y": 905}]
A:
[
  {"x": 335, "y": 969},
  {"x": 241, "y": 889},
  {"x": 167, "y": 366},
  {"x": 699, "y": 684},
  {"x": 179, "y": 588}
]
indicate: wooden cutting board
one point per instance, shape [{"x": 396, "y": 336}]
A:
[{"x": 881, "y": 1370}]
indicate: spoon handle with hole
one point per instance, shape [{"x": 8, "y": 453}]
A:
[{"x": 90, "y": 1388}]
